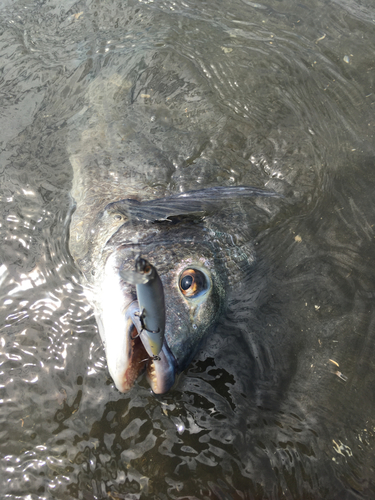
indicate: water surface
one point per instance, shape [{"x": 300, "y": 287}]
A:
[{"x": 279, "y": 403}]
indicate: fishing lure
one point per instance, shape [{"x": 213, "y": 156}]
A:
[{"x": 149, "y": 316}]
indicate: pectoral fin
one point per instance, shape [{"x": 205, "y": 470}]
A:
[{"x": 202, "y": 201}]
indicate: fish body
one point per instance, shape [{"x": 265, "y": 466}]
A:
[{"x": 132, "y": 198}]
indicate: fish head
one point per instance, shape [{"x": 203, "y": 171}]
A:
[{"x": 193, "y": 267}]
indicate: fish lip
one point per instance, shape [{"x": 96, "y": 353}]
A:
[
  {"x": 133, "y": 366},
  {"x": 161, "y": 371}
]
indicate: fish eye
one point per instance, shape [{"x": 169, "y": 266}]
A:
[
  {"x": 192, "y": 282},
  {"x": 142, "y": 266}
]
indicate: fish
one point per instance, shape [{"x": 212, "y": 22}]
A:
[{"x": 199, "y": 241}]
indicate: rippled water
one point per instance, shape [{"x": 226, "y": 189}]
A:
[{"x": 279, "y": 403}]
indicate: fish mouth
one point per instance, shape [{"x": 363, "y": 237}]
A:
[
  {"x": 126, "y": 348},
  {"x": 160, "y": 370}
]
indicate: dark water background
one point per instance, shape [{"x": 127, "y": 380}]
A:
[{"x": 280, "y": 401}]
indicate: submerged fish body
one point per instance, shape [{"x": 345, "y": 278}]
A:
[{"x": 128, "y": 203}]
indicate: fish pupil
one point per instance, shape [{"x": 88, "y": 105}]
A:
[{"x": 186, "y": 282}]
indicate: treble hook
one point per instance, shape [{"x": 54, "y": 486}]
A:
[
  {"x": 153, "y": 358},
  {"x": 136, "y": 335}
]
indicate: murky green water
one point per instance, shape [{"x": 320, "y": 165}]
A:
[{"x": 279, "y": 403}]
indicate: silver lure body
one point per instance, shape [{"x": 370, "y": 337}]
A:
[{"x": 149, "y": 319}]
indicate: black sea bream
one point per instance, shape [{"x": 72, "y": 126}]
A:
[{"x": 199, "y": 240}]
